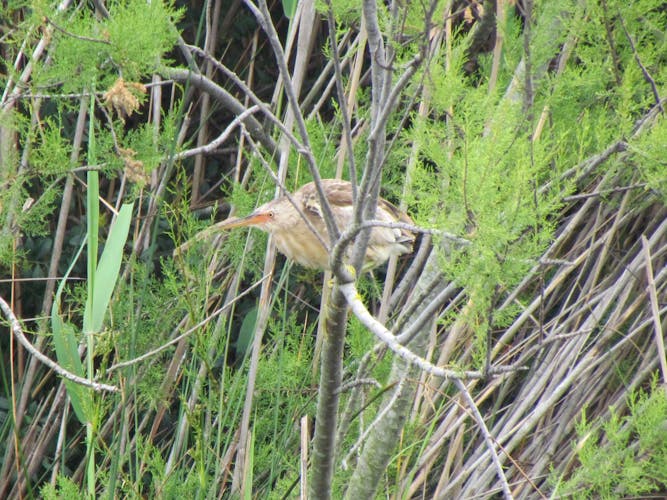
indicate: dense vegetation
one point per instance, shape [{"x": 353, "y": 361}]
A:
[{"x": 518, "y": 352}]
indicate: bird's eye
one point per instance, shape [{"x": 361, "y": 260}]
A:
[{"x": 271, "y": 214}]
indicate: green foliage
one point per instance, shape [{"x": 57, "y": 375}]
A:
[
  {"x": 478, "y": 170},
  {"x": 289, "y": 8},
  {"x": 246, "y": 333},
  {"x": 649, "y": 153},
  {"x": 622, "y": 456},
  {"x": 66, "y": 344},
  {"x": 154, "y": 483},
  {"x": 108, "y": 269},
  {"x": 485, "y": 190},
  {"x": 478, "y": 174},
  {"x": 137, "y": 324},
  {"x": 130, "y": 43},
  {"x": 51, "y": 151},
  {"x": 324, "y": 141},
  {"x": 284, "y": 389},
  {"x": 85, "y": 49},
  {"x": 359, "y": 339},
  {"x": 37, "y": 205},
  {"x": 346, "y": 12},
  {"x": 65, "y": 489}
]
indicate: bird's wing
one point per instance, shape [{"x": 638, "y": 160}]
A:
[{"x": 339, "y": 194}]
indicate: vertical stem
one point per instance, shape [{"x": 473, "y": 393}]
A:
[
  {"x": 239, "y": 485},
  {"x": 93, "y": 215},
  {"x": 324, "y": 440},
  {"x": 212, "y": 20}
]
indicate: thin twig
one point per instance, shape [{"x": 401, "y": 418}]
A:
[
  {"x": 226, "y": 99},
  {"x": 653, "y": 296},
  {"x": 490, "y": 441},
  {"x": 18, "y": 333},
  {"x": 176, "y": 340},
  {"x": 378, "y": 418},
  {"x": 647, "y": 75},
  {"x": 74, "y": 35},
  {"x": 604, "y": 192},
  {"x": 218, "y": 141},
  {"x": 342, "y": 106}
]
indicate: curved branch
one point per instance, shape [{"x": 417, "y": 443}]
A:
[
  {"x": 18, "y": 333},
  {"x": 215, "y": 143},
  {"x": 225, "y": 98},
  {"x": 351, "y": 295}
]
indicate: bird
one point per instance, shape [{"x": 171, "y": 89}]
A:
[{"x": 302, "y": 242}]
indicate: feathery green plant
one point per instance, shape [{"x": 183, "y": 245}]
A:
[{"x": 621, "y": 456}]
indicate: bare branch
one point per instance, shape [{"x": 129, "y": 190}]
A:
[
  {"x": 74, "y": 35},
  {"x": 490, "y": 441},
  {"x": 18, "y": 333},
  {"x": 351, "y": 295},
  {"x": 647, "y": 75},
  {"x": 338, "y": 78},
  {"x": 218, "y": 141},
  {"x": 266, "y": 109},
  {"x": 226, "y": 99},
  {"x": 653, "y": 297}
]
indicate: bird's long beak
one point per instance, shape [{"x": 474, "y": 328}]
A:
[{"x": 254, "y": 219}]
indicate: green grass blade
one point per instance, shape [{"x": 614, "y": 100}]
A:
[{"x": 93, "y": 219}]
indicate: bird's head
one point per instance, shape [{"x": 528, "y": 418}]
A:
[{"x": 265, "y": 217}]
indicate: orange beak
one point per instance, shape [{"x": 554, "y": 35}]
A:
[{"x": 254, "y": 219}]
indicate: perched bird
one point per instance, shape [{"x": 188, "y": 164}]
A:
[{"x": 296, "y": 239}]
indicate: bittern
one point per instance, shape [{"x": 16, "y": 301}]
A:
[{"x": 299, "y": 241}]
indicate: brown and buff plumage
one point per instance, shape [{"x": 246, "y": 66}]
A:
[{"x": 295, "y": 239}]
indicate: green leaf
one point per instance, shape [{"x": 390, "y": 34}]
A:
[
  {"x": 108, "y": 269},
  {"x": 247, "y": 332},
  {"x": 67, "y": 353},
  {"x": 66, "y": 345},
  {"x": 289, "y": 8}
]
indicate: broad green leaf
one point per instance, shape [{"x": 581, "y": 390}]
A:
[
  {"x": 67, "y": 353},
  {"x": 289, "y": 8},
  {"x": 108, "y": 269},
  {"x": 66, "y": 346}
]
